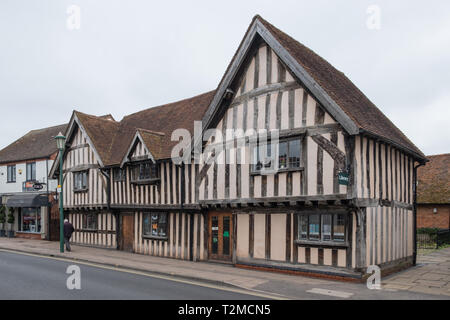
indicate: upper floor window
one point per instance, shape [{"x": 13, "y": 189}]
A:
[
  {"x": 119, "y": 174},
  {"x": 155, "y": 225},
  {"x": 282, "y": 156},
  {"x": 80, "y": 181},
  {"x": 11, "y": 174},
  {"x": 329, "y": 227},
  {"x": 144, "y": 172},
  {"x": 31, "y": 171}
]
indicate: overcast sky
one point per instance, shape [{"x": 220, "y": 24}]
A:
[{"x": 131, "y": 55}]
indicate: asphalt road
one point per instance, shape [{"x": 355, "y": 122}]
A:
[{"x": 32, "y": 277}]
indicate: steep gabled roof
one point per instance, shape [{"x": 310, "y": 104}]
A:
[
  {"x": 36, "y": 144},
  {"x": 152, "y": 142},
  {"x": 100, "y": 130},
  {"x": 336, "y": 93},
  {"x": 164, "y": 119},
  {"x": 434, "y": 180}
]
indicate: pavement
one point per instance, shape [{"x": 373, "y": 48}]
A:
[
  {"x": 430, "y": 275},
  {"x": 272, "y": 283}
]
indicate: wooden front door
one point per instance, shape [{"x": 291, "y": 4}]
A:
[
  {"x": 220, "y": 244},
  {"x": 127, "y": 232}
]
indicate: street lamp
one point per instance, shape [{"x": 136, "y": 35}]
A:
[{"x": 61, "y": 143}]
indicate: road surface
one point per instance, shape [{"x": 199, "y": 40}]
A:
[{"x": 33, "y": 277}]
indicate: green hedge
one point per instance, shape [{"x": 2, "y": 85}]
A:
[{"x": 427, "y": 230}]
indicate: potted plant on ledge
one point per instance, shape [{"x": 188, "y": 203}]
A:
[
  {"x": 2, "y": 221},
  {"x": 11, "y": 223}
]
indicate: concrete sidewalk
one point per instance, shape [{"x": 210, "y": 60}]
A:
[{"x": 272, "y": 283}]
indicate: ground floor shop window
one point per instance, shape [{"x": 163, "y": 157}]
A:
[
  {"x": 322, "y": 227},
  {"x": 29, "y": 219},
  {"x": 155, "y": 225}
]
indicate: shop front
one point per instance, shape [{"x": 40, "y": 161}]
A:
[{"x": 30, "y": 215}]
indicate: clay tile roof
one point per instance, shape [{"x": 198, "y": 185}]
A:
[
  {"x": 101, "y": 131},
  {"x": 162, "y": 119},
  {"x": 36, "y": 144},
  {"x": 434, "y": 180},
  {"x": 352, "y": 101},
  {"x": 153, "y": 141}
]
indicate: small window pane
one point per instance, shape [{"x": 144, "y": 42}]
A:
[
  {"x": 303, "y": 227},
  {"x": 339, "y": 227},
  {"x": 294, "y": 154},
  {"x": 314, "y": 227},
  {"x": 326, "y": 227},
  {"x": 155, "y": 224},
  {"x": 282, "y": 155}
]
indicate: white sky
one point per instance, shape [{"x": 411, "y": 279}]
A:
[{"x": 131, "y": 55}]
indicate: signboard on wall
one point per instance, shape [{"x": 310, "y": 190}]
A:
[{"x": 343, "y": 178}]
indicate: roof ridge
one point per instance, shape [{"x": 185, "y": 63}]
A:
[
  {"x": 166, "y": 105},
  {"x": 151, "y": 131},
  {"x": 438, "y": 155}
]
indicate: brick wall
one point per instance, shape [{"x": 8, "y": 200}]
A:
[{"x": 427, "y": 219}]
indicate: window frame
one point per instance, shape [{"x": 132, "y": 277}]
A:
[
  {"x": 123, "y": 174},
  {"x": 84, "y": 188},
  {"x": 143, "y": 180},
  {"x": 30, "y": 171},
  {"x": 151, "y": 236},
  {"x": 287, "y": 140},
  {"x": 84, "y": 221},
  {"x": 321, "y": 242},
  {"x": 9, "y": 171}
]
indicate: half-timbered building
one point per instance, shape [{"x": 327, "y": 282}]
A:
[{"x": 329, "y": 190}]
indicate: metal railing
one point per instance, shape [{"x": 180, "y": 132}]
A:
[{"x": 432, "y": 238}]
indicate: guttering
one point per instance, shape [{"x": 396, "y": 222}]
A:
[
  {"x": 415, "y": 211},
  {"x": 108, "y": 187}
]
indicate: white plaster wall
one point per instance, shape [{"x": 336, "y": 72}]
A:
[{"x": 41, "y": 176}]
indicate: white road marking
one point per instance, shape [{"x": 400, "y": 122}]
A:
[
  {"x": 333, "y": 293},
  {"x": 257, "y": 293}
]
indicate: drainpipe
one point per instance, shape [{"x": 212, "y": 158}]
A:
[
  {"x": 47, "y": 236},
  {"x": 415, "y": 211},
  {"x": 108, "y": 188}
]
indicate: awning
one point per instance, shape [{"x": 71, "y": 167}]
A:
[{"x": 27, "y": 201}]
